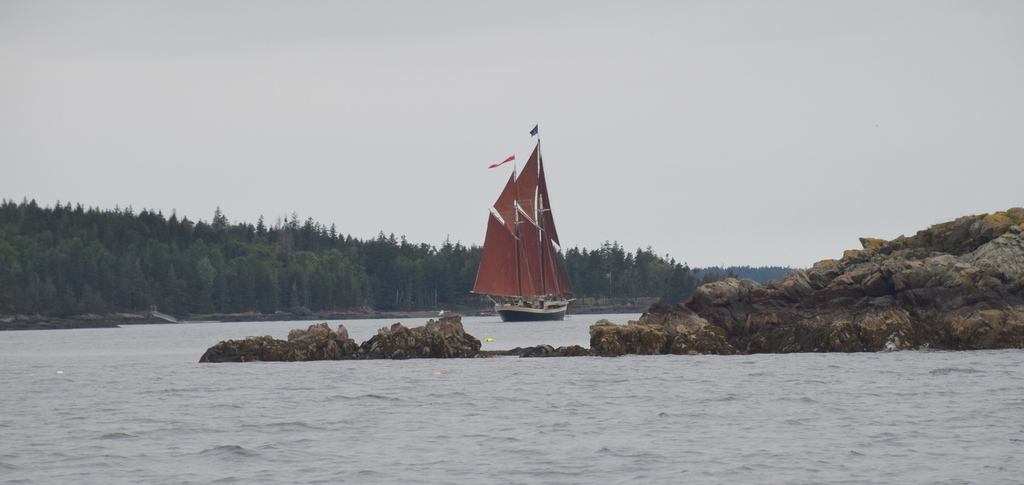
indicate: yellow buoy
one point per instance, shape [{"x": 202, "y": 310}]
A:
[{"x": 489, "y": 340}]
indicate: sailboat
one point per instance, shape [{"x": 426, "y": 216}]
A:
[{"x": 520, "y": 269}]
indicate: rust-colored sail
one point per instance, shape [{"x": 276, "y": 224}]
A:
[
  {"x": 527, "y": 185},
  {"x": 497, "y": 272},
  {"x": 530, "y": 272},
  {"x": 505, "y": 205},
  {"x": 547, "y": 220},
  {"x": 556, "y": 282}
]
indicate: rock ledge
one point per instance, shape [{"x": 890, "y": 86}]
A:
[{"x": 955, "y": 286}]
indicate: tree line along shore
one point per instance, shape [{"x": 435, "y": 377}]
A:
[{"x": 73, "y": 263}]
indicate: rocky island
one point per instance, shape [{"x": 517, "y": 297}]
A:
[
  {"x": 958, "y": 285},
  {"x": 954, "y": 286}
]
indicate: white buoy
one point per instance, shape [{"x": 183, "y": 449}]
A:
[{"x": 60, "y": 372}]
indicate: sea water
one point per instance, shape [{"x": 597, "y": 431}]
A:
[{"x": 132, "y": 405}]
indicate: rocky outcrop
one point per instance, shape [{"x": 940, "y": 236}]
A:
[
  {"x": 41, "y": 322},
  {"x": 957, "y": 285},
  {"x": 318, "y": 342},
  {"x": 659, "y": 332},
  {"x": 549, "y": 351},
  {"x": 444, "y": 338}
]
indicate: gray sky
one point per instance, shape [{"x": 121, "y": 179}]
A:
[{"x": 746, "y": 133}]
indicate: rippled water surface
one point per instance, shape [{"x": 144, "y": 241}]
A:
[{"x": 131, "y": 405}]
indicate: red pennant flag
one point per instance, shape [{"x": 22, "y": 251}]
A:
[{"x": 509, "y": 159}]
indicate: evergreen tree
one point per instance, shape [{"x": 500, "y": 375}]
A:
[{"x": 66, "y": 260}]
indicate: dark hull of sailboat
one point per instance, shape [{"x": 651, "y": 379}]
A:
[{"x": 516, "y": 314}]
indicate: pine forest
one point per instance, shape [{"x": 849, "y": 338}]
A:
[{"x": 69, "y": 260}]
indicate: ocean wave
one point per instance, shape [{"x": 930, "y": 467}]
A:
[
  {"x": 116, "y": 436},
  {"x": 342, "y": 397},
  {"x": 951, "y": 370},
  {"x": 229, "y": 451}
]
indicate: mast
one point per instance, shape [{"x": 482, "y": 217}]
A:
[
  {"x": 540, "y": 218},
  {"x": 516, "y": 234}
]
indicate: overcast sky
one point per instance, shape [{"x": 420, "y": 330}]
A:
[{"x": 737, "y": 133}]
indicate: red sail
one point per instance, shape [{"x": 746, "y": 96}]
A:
[
  {"x": 527, "y": 185},
  {"x": 530, "y": 275},
  {"x": 563, "y": 277},
  {"x": 547, "y": 219},
  {"x": 497, "y": 272},
  {"x": 505, "y": 205},
  {"x": 556, "y": 282}
]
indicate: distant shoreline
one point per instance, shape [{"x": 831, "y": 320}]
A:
[{"x": 114, "y": 320}]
